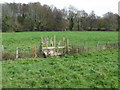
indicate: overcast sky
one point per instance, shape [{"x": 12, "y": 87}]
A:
[{"x": 99, "y": 6}]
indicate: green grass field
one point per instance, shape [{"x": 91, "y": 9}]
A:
[
  {"x": 97, "y": 69},
  {"x": 30, "y": 39},
  {"x": 87, "y": 70}
]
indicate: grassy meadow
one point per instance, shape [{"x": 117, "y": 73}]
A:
[
  {"x": 97, "y": 69},
  {"x": 29, "y": 39},
  {"x": 87, "y": 70}
]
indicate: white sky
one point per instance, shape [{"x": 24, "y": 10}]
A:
[{"x": 99, "y": 6}]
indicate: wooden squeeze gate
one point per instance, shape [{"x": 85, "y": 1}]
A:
[{"x": 48, "y": 47}]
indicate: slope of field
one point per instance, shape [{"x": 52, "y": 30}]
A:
[
  {"x": 84, "y": 70},
  {"x": 27, "y": 40}
]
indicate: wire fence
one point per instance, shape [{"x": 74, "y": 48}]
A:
[{"x": 29, "y": 52}]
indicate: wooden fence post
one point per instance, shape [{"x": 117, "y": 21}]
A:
[
  {"x": 42, "y": 39},
  {"x": 107, "y": 44},
  {"x": 97, "y": 44},
  {"x": 67, "y": 43},
  {"x": 59, "y": 43},
  {"x": 51, "y": 42},
  {"x": 16, "y": 52},
  {"x": 47, "y": 42},
  {"x": 35, "y": 53},
  {"x": 117, "y": 44},
  {"x": 63, "y": 43},
  {"x": 41, "y": 45},
  {"x": 2, "y": 48},
  {"x": 1, "y": 51},
  {"x": 84, "y": 46},
  {"x": 55, "y": 42}
]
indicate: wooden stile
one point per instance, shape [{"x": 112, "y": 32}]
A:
[{"x": 51, "y": 48}]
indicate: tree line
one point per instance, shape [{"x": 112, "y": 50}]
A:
[{"x": 18, "y": 17}]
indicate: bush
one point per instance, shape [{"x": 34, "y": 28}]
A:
[{"x": 7, "y": 55}]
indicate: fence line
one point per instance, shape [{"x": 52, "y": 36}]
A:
[{"x": 62, "y": 45}]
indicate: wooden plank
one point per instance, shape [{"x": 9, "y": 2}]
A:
[{"x": 43, "y": 48}]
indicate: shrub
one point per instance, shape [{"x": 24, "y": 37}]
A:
[{"x": 7, "y": 55}]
